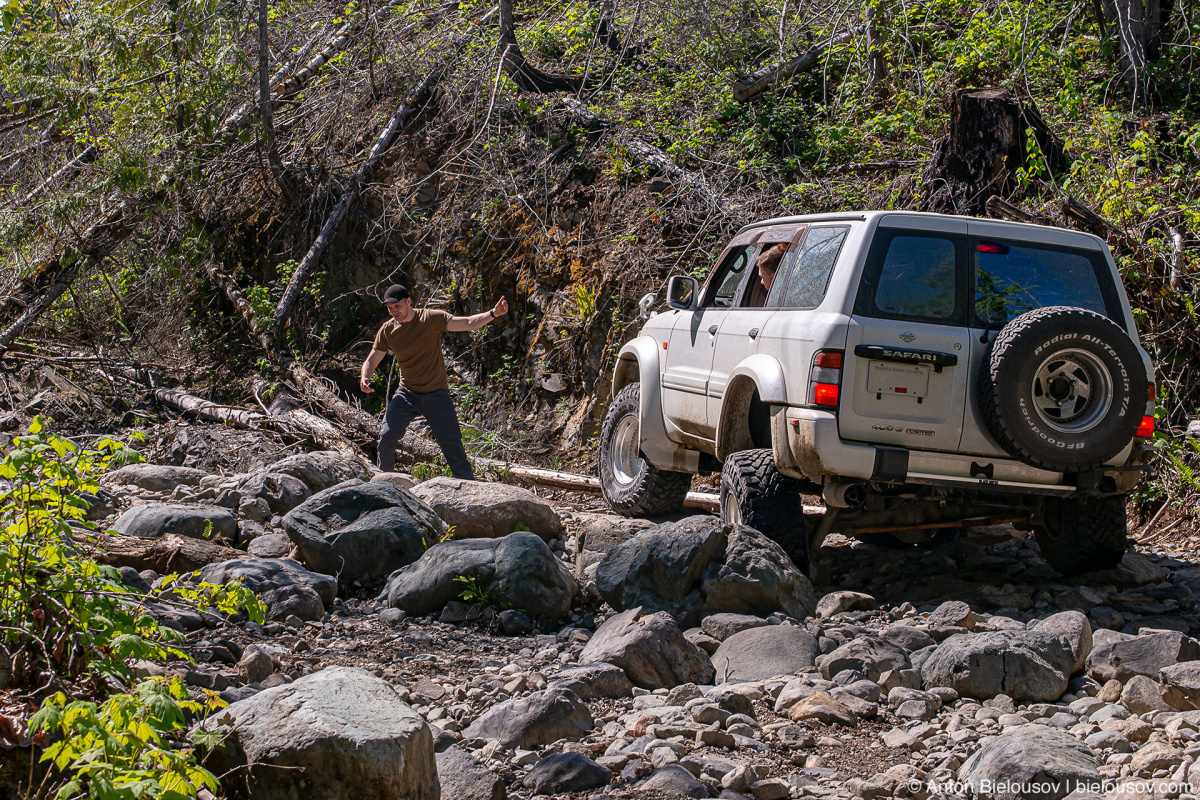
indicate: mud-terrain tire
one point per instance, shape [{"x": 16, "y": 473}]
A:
[
  {"x": 630, "y": 485},
  {"x": 756, "y": 494},
  {"x": 1062, "y": 388},
  {"x": 1081, "y": 535}
]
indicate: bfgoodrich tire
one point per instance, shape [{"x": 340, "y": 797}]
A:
[
  {"x": 1081, "y": 535},
  {"x": 755, "y": 493},
  {"x": 630, "y": 485},
  {"x": 1062, "y": 388}
]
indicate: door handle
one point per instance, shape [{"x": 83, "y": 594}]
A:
[
  {"x": 754, "y": 333},
  {"x": 712, "y": 329}
]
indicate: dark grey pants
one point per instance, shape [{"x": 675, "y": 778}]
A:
[{"x": 438, "y": 410}]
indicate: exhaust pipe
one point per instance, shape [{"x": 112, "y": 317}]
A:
[{"x": 844, "y": 495}]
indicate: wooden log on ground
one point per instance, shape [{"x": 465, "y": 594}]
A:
[
  {"x": 167, "y": 554},
  {"x": 746, "y": 89},
  {"x": 64, "y": 174},
  {"x": 1087, "y": 219}
]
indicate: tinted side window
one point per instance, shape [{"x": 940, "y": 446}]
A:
[
  {"x": 913, "y": 275},
  {"x": 729, "y": 276},
  {"x": 804, "y": 284},
  {"x": 1011, "y": 279}
]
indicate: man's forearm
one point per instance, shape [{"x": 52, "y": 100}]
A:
[{"x": 477, "y": 321}]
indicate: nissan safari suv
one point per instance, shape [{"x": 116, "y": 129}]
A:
[{"x": 919, "y": 372}]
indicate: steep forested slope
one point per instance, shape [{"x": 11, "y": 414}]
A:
[{"x": 569, "y": 155}]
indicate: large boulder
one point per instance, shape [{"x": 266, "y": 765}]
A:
[
  {"x": 1053, "y": 761},
  {"x": 197, "y": 522},
  {"x": 1182, "y": 685},
  {"x": 153, "y": 477},
  {"x": 1028, "y": 666},
  {"x": 340, "y": 732},
  {"x": 650, "y": 648},
  {"x": 280, "y": 491},
  {"x": 869, "y": 655},
  {"x": 603, "y": 532},
  {"x": 322, "y": 469},
  {"x": 537, "y": 719},
  {"x": 362, "y": 531},
  {"x": 262, "y": 575},
  {"x": 1142, "y": 655},
  {"x": 756, "y": 654},
  {"x": 519, "y": 571},
  {"x": 700, "y": 566},
  {"x": 1074, "y": 628},
  {"x": 478, "y": 510},
  {"x": 464, "y": 778},
  {"x": 566, "y": 772}
]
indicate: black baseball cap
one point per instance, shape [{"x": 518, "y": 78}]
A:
[{"x": 395, "y": 293}]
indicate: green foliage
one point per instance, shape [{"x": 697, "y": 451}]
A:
[
  {"x": 475, "y": 593},
  {"x": 128, "y": 747}
]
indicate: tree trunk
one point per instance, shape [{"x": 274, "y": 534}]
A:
[
  {"x": 64, "y": 174},
  {"x": 513, "y": 61},
  {"x": 989, "y": 130},
  {"x": 170, "y": 553},
  {"x": 265, "y": 101},
  {"x": 745, "y": 89}
]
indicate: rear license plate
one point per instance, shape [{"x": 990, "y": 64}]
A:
[{"x": 888, "y": 377}]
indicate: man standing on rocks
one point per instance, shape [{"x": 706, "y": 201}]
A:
[{"x": 415, "y": 338}]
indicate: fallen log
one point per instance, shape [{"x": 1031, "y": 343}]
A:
[
  {"x": 746, "y": 89},
  {"x": 64, "y": 174},
  {"x": 1002, "y": 208},
  {"x": 515, "y": 473},
  {"x": 167, "y": 554},
  {"x": 407, "y": 110},
  {"x": 1087, "y": 219}
]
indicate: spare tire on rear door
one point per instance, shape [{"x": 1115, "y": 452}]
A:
[{"x": 1063, "y": 388}]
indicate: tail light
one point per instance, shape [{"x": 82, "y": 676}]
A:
[
  {"x": 825, "y": 378},
  {"x": 1146, "y": 429}
]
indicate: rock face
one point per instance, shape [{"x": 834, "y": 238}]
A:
[
  {"x": 1143, "y": 655},
  {"x": 700, "y": 566},
  {"x": 518, "y": 570},
  {"x": 280, "y": 491},
  {"x": 540, "y": 718},
  {"x": 362, "y": 531},
  {"x": 760, "y": 653},
  {"x": 340, "y": 732},
  {"x": 1025, "y": 665},
  {"x": 153, "y": 521},
  {"x": 1029, "y": 754},
  {"x": 650, "y": 648},
  {"x": 264, "y": 574},
  {"x": 153, "y": 477},
  {"x": 478, "y": 510},
  {"x": 464, "y": 778},
  {"x": 322, "y": 469}
]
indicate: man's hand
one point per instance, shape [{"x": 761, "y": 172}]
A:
[
  {"x": 365, "y": 386},
  {"x": 501, "y": 308}
]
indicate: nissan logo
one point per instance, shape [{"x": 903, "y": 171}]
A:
[{"x": 907, "y": 336}]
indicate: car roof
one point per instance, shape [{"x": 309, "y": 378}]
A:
[{"x": 1035, "y": 231}]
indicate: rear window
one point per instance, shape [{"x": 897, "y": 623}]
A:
[
  {"x": 912, "y": 275},
  {"x": 803, "y": 284},
  {"x": 1010, "y": 279}
]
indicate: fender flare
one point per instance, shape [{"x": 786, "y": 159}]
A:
[
  {"x": 638, "y": 360},
  {"x": 765, "y": 374}
]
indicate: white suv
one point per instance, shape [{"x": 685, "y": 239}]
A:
[{"x": 920, "y": 372}]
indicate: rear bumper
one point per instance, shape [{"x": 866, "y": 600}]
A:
[{"x": 807, "y": 445}]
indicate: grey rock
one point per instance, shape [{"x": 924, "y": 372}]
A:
[
  {"x": 515, "y": 623},
  {"x": 1182, "y": 684},
  {"x": 906, "y": 637},
  {"x": 1030, "y": 754},
  {"x": 868, "y": 655},
  {"x": 295, "y": 600},
  {"x": 134, "y": 580},
  {"x": 401, "y": 479},
  {"x": 842, "y": 601},
  {"x": 700, "y": 566},
  {"x": 722, "y": 626},
  {"x": 1025, "y": 665},
  {"x": 254, "y": 665},
  {"x": 537, "y": 719},
  {"x": 698, "y": 637},
  {"x": 153, "y": 477},
  {"x": 362, "y": 531},
  {"x": 594, "y": 681},
  {"x": 270, "y": 545},
  {"x": 1081, "y": 598},
  {"x": 1141, "y": 695},
  {"x": 1134, "y": 570},
  {"x": 650, "y": 648},
  {"x": 760, "y": 653},
  {"x": 263, "y": 574},
  {"x": 673, "y": 781},
  {"x": 392, "y": 616},
  {"x": 280, "y": 491},
  {"x": 519, "y": 571},
  {"x": 603, "y": 532},
  {"x": 340, "y": 732},
  {"x": 566, "y": 772},
  {"x": 322, "y": 469},
  {"x": 1074, "y": 627},
  {"x": 955, "y": 613},
  {"x": 488, "y": 510},
  {"x": 464, "y": 778},
  {"x": 154, "y": 521},
  {"x": 1143, "y": 655}
]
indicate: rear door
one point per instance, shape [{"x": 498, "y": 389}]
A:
[
  {"x": 907, "y": 351},
  {"x": 688, "y": 357}
]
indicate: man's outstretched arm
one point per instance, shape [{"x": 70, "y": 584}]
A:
[
  {"x": 368, "y": 369},
  {"x": 477, "y": 321}
]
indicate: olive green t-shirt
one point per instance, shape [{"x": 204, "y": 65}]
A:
[{"x": 417, "y": 345}]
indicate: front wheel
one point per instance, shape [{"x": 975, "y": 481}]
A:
[
  {"x": 1081, "y": 535},
  {"x": 755, "y": 493},
  {"x": 631, "y": 486}
]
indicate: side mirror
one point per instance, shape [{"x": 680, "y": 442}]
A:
[
  {"x": 645, "y": 305},
  {"x": 682, "y": 292}
]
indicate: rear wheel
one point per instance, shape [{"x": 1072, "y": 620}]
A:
[
  {"x": 1081, "y": 535},
  {"x": 630, "y": 484},
  {"x": 756, "y": 494}
]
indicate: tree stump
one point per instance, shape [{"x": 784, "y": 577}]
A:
[{"x": 987, "y": 144}]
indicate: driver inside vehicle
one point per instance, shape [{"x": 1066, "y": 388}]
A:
[{"x": 767, "y": 264}]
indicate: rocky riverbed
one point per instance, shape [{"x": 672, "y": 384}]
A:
[{"x": 479, "y": 641}]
